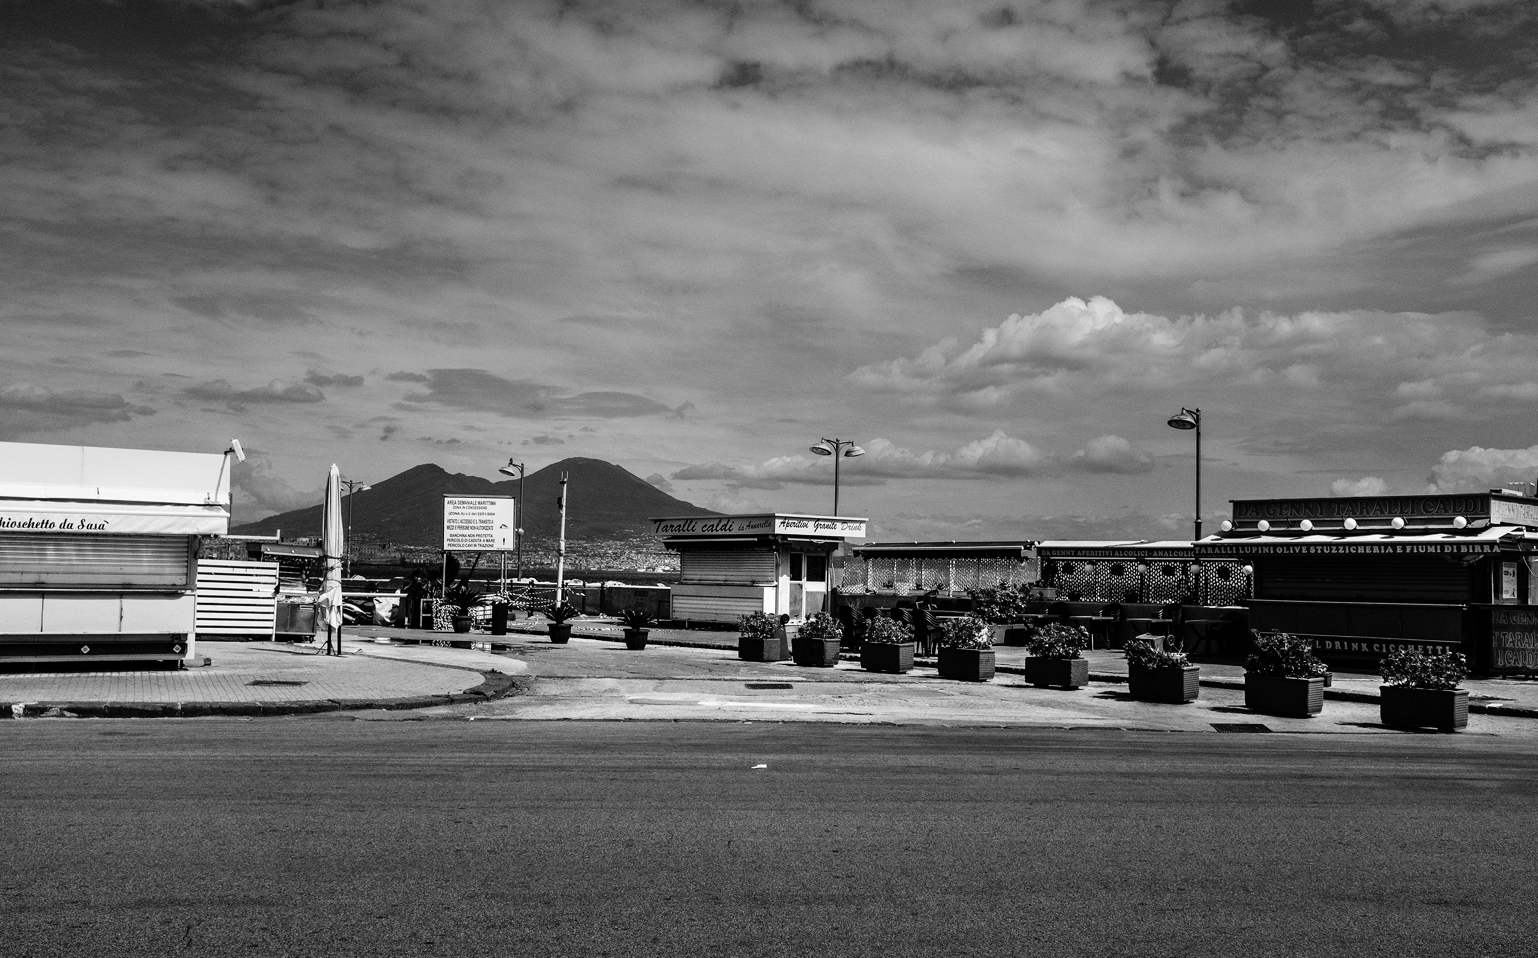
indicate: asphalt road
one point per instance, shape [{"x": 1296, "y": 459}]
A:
[{"x": 300, "y": 837}]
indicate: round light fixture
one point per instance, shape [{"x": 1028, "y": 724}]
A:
[
  {"x": 1306, "y": 525},
  {"x": 1263, "y": 526},
  {"x": 1249, "y": 570},
  {"x": 1350, "y": 524},
  {"x": 1226, "y": 526},
  {"x": 1397, "y": 523},
  {"x": 1460, "y": 523}
]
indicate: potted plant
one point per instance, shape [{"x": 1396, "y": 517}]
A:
[
  {"x": 1003, "y": 608},
  {"x": 1422, "y": 690},
  {"x": 887, "y": 646},
  {"x": 818, "y": 642},
  {"x": 1155, "y": 675},
  {"x": 460, "y": 599},
  {"x": 1284, "y": 677},
  {"x": 1052, "y": 656},
  {"x": 760, "y": 638},
  {"x": 966, "y": 649},
  {"x": 637, "y": 622},
  {"x": 560, "y": 629}
]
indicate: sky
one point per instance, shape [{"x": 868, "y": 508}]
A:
[{"x": 998, "y": 245}]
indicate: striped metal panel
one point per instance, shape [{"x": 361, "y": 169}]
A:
[
  {"x": 1371, "y": 578},
  {"x": 744, "y": 567},
  {"x": 236, "y": 598},
  {"x": 725, "y": 605},
  {"x": 44, "y": 560}
]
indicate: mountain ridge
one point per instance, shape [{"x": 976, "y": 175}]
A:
[{"x": 604, "y": 501}]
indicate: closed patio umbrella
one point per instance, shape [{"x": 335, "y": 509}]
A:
[{"x": 331, "y": 551}]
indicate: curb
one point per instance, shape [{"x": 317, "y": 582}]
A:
[{"x": 494, "y": 685}]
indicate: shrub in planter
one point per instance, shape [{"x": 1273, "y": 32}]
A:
[
  {"x": 887, "y": 646},
  {"x": 1052, "y": 656},
  {"x": 1000, "y": 607},
  {"x": 818, "y": 642},
  {"x": 966, "y": 649},
  {"x": 459, "y": 600},
  {"x": 1284, "y": 677},
  {"x": 637, "y": 623},
  {"x": 560, "y": 629},
  {"x": 759, "y": 638},
  {"x": 1157, "y": 675},
  {"x": 1422, "y": 690}
]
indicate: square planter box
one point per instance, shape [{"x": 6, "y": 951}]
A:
[
  {"x": 761, "y": 650},
  {"x": 817, "y": 653},
  {"x": 1281, "y": 695},
  {"x": 1164, "y": 685},
  {"x": 1062, "y": 673},
  {"x": 966, "y": 665},
  {"x": 1403, "y": 707},
  {"x": 878, "y": 657}
]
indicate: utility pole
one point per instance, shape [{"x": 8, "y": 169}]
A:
[{"x": 560, "y": 553}]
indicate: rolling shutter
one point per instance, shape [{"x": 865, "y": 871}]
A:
[
  {"x": 43, "y": 560},
  {"x": 739, "y": 567},
  {"x": 1358, "y": 578}
]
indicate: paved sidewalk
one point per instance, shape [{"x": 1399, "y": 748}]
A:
[{"x": 265, "y": 678}]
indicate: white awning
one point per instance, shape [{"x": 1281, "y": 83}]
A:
[{"x": 112, "y": 518}]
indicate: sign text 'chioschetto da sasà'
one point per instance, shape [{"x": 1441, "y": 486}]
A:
[{"x": 478, "y": 524}]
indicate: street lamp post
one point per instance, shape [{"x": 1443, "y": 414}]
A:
[
  {"x": 516, "y": 469},
  {"x": 353, "y": 485},
  {"x": 838, "y": 449},
  {"x": 1192, "y": 419}
]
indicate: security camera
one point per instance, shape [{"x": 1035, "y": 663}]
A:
[{"x": 240, "y": 454}]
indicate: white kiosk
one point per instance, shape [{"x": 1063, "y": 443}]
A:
[
  {"x": 730, "y": 566},
  {"x": 98, "y": 550}
]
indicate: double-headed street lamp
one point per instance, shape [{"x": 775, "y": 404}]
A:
[
  {"x": 516, "y": 469},
  {"x": 353, "y": 485},
  {"x": 1192, "y": 419},
  {"x": 838, "y": 449}
]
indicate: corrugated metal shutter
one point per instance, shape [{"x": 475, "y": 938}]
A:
[
  {"x": 714, "y": 608},
  {"x": 754, "y": 567},
  {"x": 1364, "y": 578},
  {"x": 33, "y": 560},
  {"x": 237, "y": 598}
]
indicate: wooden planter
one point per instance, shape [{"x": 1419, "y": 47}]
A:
[
  {"x": 1177, "y": 685},
  {"x": 1283, "y": 695},
  {"x": 635, "y": 639},
  {"x": 882, "y": 657},
  {"x": 771, "y": 649},
  {"x": 1400, "y": 706},
  {"x": 560, "y": 632},
  {"x": 966, "y": 665},
  {"x": 816, "y": 653},
  {"x": 1060, "y": 673}
]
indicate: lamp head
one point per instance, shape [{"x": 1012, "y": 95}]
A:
[
  {"x": 853, "y": 451},
  {"x": 1185, "y": 419},
  {"x": 511, "y": 469},
  {"x": 240, "y": 454},
  {"x": 823, "y": 449}
]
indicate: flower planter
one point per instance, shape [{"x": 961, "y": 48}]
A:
[
  {"x": 1177, "y": 685},
  {"x": 1061, "y": 673},
  {"x": 966, "y": 665},
  {"x": 886, "y": 657},
  {"x": 635, "y": 639},
  {"x": 1402, "y": 706},
  {"x": 560, "y": 632},
  {"x": 816, "y": 653},
  {"x": 771, "y": 649},
  {"x": 1284, "y": 695},
  {"x": 462, "y": 623}
]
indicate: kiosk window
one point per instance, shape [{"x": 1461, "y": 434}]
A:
[
  {"x": 795, "y": 567},
  {"x": 816, "y": 568}
]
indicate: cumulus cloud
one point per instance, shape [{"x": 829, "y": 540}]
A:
[
  {"x": 259, "y": 493},
  {"x": 276, "y": 391},
  {"x": 1477, "y": 469},
  {"x": 1365, "y": 486},
  {"x": 661, "y": 482},
  {"x": 29, "y": 409},
  {"x": 1112, "y": 454},
  {"x": 317, "y": 378}
]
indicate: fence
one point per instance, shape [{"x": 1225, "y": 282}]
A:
[{"x": 892, "y": 575}]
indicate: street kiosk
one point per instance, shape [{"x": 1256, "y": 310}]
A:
[
  {"x": 1364, "y": 576},
  {"x": 98, "y": 550},
  {"x": 731, "y": 566}
]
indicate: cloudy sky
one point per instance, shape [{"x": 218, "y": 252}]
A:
[{"x": 997, "y": 244}]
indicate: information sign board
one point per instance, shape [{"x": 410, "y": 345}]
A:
[{"x": 478, "y": 524}]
